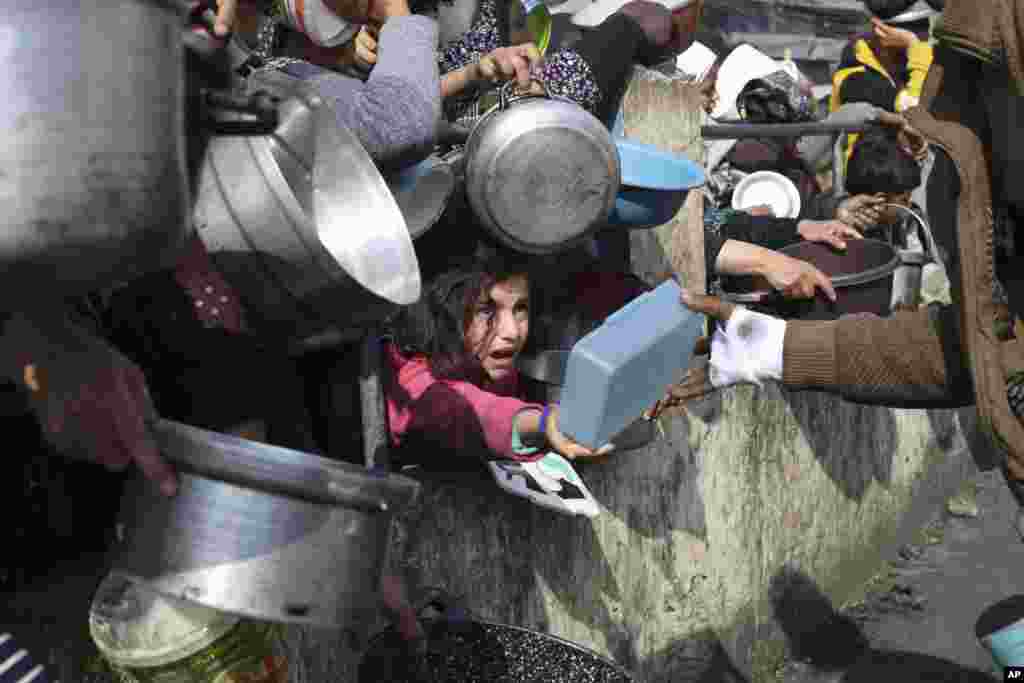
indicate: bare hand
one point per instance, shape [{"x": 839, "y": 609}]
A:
[
  {"x": 696, "y": 382},
  {"x": 892, "y": 37},
  {"x": 507, "y": 63},
  {"x": 796, "y": 279},
  {"x": 862, "y": 211},
  {"x": 912, "y": 142},
  {"x": 227, "y": 14},
  {"x": 365, "y": 49},
  {"x": 833, "y": 232},
  {"x": 565, "y": 446},
  {"x": 761, "y": 210}
]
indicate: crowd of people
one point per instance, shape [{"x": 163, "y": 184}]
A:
[{"x": 179, "y": 343}]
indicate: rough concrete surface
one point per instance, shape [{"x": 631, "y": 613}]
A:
[{"x": 917, "y": 623}]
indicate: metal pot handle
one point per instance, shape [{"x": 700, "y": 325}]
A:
[
  {"x": 505, "y": 96},
  {"x": 931, "y": 246}
]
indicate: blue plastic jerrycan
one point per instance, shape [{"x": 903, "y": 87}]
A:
[{"x": 620, "y": 369}]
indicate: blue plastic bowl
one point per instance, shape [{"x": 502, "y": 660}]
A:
[{"x": 654, "y": 182}]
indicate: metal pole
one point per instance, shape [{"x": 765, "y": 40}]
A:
[{"x": 731, "y": 131}]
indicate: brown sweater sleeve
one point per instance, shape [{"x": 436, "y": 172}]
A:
[{"x": 908, "y": 360}]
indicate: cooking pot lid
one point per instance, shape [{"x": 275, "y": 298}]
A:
[{"x": 135, "y": 627}]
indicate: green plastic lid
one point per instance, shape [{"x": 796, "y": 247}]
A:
[{"x": 137, "y": 628}]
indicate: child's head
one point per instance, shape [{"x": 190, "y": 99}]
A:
[
  {"x": 880, "y": 165},
  {"x": 472, "y": 322}
]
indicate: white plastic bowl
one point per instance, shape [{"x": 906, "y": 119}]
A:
[{"x": 768, "y": 188}]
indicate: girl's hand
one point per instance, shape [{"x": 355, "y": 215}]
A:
[
  {"x": 796, "y": 279},
  {"x": 834, "y": 232},
  {"x": 565, "y": 446},
  {"x": 507, "y": 63}
]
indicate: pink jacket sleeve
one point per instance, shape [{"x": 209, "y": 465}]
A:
[{"x": 452, "y": 414}]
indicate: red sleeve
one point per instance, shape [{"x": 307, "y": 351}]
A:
[{"x": 448, "y": 414}]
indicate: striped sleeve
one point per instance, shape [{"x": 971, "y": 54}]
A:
[{"x": 16, "y": 666}]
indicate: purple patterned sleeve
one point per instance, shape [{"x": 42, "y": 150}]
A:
[
  {"x": 567, "y": 74},
  {"x": 480, "y": 40}
]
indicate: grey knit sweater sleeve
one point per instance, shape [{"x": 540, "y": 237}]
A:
[{"x": 396, "y": 112}]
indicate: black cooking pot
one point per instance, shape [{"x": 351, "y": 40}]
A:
[
  {"x": 861, "y": 276},
  {"x": 463, "y": 649}
]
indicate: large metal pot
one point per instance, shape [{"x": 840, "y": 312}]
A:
[
  {"x": 308, "y": 248},
  {"x": 461, "y": 647},
  {"x": 261, "y": 531},
  {"x": 542, "y": 173},
  {"x": 92, "y": 159}
]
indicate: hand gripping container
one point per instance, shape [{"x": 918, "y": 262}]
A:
[{"x": 620, "y": 369}]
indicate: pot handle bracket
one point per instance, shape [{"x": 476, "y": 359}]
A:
[{"x": 507, "y": 94}]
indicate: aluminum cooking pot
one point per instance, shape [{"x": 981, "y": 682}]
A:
[
  {"x": 541, "y": 172},
  {"x": 261, "y": 531},
  {"x": 92, "y": 159},
  {"x": 303, "y": 225}
]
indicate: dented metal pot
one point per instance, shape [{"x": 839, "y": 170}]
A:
[
  {"x": 542, "y": 173},
  {"x": 261, "y": 531},
  {"x": 92, "y": 158}
]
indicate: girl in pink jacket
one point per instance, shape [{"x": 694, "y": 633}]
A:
[{"x": 453, "y": 383}]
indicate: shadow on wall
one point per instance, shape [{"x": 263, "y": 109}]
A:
[
  {"x": 699, "y": 659},
  {"x": 831, "y": 642},
  {"x": 855, "y": 444}
]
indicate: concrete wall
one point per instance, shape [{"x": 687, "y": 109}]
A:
[
  {"x": 699, "y": 533},
  {"x": 708, "y": 536}
]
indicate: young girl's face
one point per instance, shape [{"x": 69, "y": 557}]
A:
[{"x": 498, "y": 326}]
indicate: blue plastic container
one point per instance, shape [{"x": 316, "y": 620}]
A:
[
  {"x": 1000, "y": 628},
  {"x": 654, "y": 182},
  {"x": 620, "y": 369}
]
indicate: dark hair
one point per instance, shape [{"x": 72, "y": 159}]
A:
[
  {"x": 879, "y": 164},
  {"x": 435, "y": 326}
]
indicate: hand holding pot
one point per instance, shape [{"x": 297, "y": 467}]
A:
[
  {"x": 508, "y": 63},
  {"x": 91, "y": 402},
  {"x": 365, "y": 48},
  {"x": 796, "y": 279}
]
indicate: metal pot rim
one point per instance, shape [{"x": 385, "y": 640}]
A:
[{"x": 281, "y": 471}]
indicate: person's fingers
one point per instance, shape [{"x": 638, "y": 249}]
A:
[
  {"x": 695, "y": 384},
  {"x": 365, "y": 56},
  {"x": 702, "y": 347},
  {"x": 136, "y": 437},
  {"x": 822, "y": 282},
  {"x": 533, "y": 55},
  {"x": 367, "y": 38},
  {"x": 227, "y": 10},
  {"x": 521, "y": 66},
  {"x": 708, "y": 305},
  {"x": 851, "y": 233},
  {"x": 488, "y": 68}
]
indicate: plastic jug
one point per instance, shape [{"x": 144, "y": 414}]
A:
[{"x": 620, "y": 369}]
